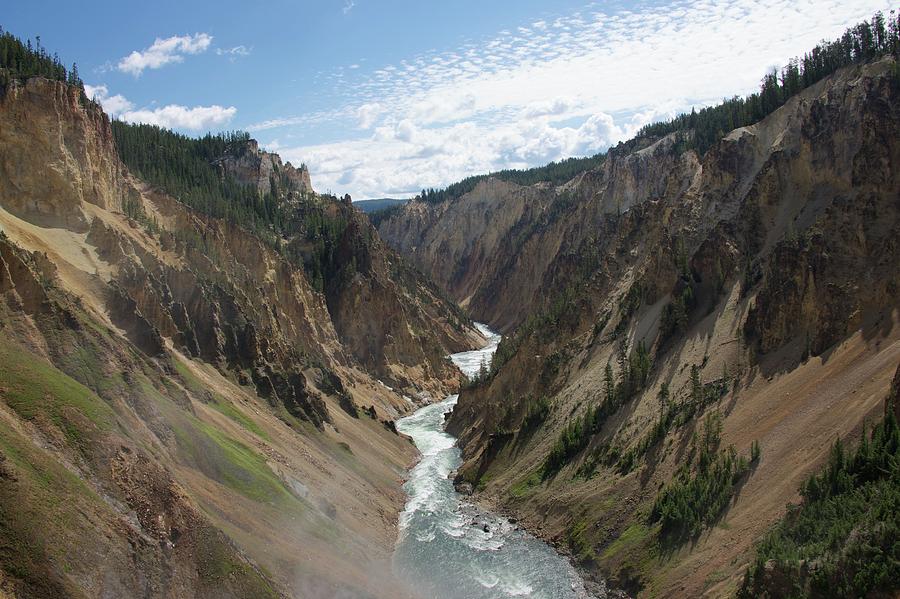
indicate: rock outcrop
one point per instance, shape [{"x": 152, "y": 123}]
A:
[
  {"x": 46, "y": 125},
  {"x": 265, "y": 171}
]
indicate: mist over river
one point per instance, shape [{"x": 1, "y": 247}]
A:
[{"x": 450, "y": 549}]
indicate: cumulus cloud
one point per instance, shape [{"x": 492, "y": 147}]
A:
[
  {"x": 163, "y": 52},
  {"x": 173, "y": 116},
  {"x": 369, "y": 167},
  {"x": 113, "y": 105},
  {"x": 367, "y": 113},
  {"x": 569, "y": 84},
  {"x": 553, "y": 107}
]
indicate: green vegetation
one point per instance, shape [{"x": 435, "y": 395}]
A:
[
  {"x": 34, "y": 389},
  {"x": 134, "y": 209},
  {"x": 551, "y": 367},
  {"x": 524, "y": 486},
  {"x": 860, "y": 43},
  {"x": 482, "y": 377},
  {"x": 185, "y": 167},
  {"x": 600, "y": 325},
  {"x": 559, "y": 313},
  {"x": 555, "y": 173},
  {"x": 506, "y": 349},
  {"x": 219, "y": 566},
  {"x": 673, "y": 415},
  {"x": 43, "y": 503},
  {"x": 377, "y": 217},
  {"x": 675, "y": 315},
  {"x": 228, "y": 409},
  {"x": 702, "y": 488},
  {"x": 19, "y": 61},
  {"x": 370, "y": 206},
  {"x": 81, "y": 361},
  {"x": 633, "y": 373},
  {"x": 628, "y": 306},
  {"x": 322, "y": 232},
  {"x": 573, "y": 438},
  {"x": 222, "y": 405},
  {"x": 189, "y": 169},
  {"x": 637, "y": 534},
  {"x": 843, "y": 540},
  {"x": 536, "y": 413},
  {"x": 579, "y": 543},
  {"x": 227, "y": 460}
]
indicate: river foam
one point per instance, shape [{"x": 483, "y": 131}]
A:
[{"x": 450, "y": 549}]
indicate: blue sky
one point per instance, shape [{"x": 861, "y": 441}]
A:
[{"x": 382, "y": 98}]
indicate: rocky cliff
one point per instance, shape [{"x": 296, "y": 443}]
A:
[
  {"x": 184, "y": 412},
  {"x": 46, "y": 127},
  {"x": 505, "y": 241},
  {"x": 748, "y": 293},
  {"x": 264, "y": 170}
]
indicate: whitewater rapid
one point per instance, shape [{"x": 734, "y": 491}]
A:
[{"x": 450, "y": 549}]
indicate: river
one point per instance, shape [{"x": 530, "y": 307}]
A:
[{"x": 450, "y": 549}]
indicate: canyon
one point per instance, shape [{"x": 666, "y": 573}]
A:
[
  {"x": 216, "y": 381},
  {"x": 765, "y": 271},
  {"x": 183, "y": 413}
]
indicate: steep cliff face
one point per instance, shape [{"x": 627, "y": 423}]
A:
[
  {"x": 74, "y": 148},
  {"x": 496, "y": 249},
  {"x": 265, "y": 171},
  {"x": 184, "y": 413},
  {"x": 753, "y": 288},
  {"x": 387, "y": 315}
]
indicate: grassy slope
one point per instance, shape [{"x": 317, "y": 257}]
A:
[{"x": 46, "y": 506}]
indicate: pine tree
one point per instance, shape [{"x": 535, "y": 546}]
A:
[
  {"x": 610, "y": 384},
  {"x": 696, "y": 387},
  {"x": 663, "y": 400}
]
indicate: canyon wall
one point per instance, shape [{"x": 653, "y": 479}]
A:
[
  {"x": 184, "y": 414},
  {"x": 751, "y": 291}
]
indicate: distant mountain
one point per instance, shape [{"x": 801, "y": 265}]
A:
[{"x": 370, "y": 206}]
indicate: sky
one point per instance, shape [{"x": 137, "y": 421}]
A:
[{"x": 382, "y": 98}]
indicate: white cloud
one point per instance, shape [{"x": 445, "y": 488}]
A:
[
  {"x": 163, "y": 52},
  {"x": 113, "y": 105},
  {"x": 367, "y": 113},
  {"x": 348, "y": 6},
  {"x": 552, "y": 107},
  {"x": 369, "y": 167},
  {"x": 563, "y": 86},
  {"x": 234, "y": 51},
  {"x": 173, "y": 116}
]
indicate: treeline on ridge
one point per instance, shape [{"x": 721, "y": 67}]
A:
[
  {"x": 860, "y": 43},
  {"x": 554, "y": 173},
  {"x": 305, "y": 232},
  {"x": 184, "y": 167},
  {"x": 20, "y": 61},
  {"x": 187, "y": 168}
]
